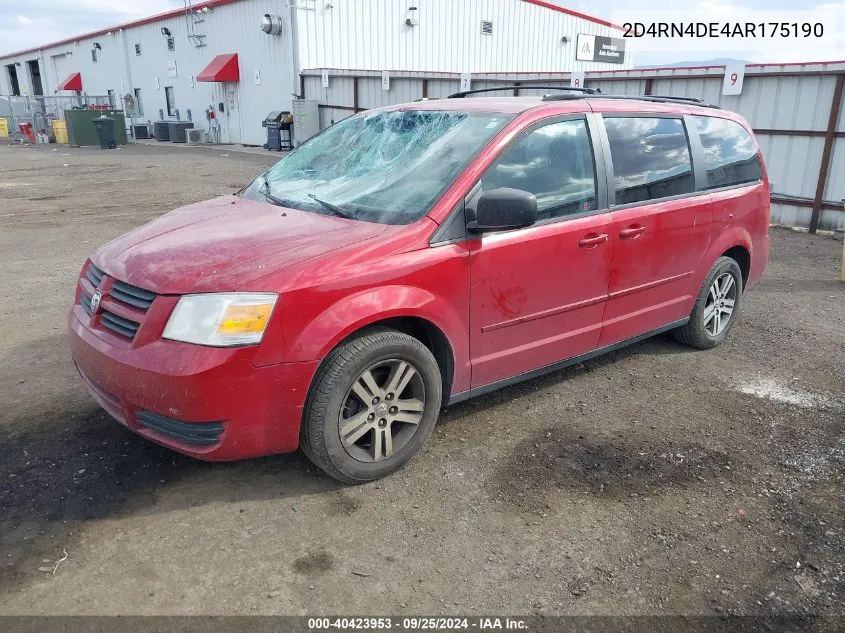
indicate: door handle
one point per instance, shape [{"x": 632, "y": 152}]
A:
[
  {"x": 631, "y": 232},
  {"x": 592, "y": 240}
]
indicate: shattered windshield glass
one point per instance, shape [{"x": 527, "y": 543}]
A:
[{"x": 387, "y": 167}]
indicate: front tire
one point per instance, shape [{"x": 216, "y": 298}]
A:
[
  {"x": 716, "y": 307},
  {"x": 373, "y": 404}
]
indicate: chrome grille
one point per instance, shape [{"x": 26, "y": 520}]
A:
[
  {"x": 95, "y": 275},
  {"x": 85, "y": 302},
  {"x": 135, "y": 298},
  {"x": 118, "y": 324}
]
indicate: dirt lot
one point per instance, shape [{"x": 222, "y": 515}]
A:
[{"x": 657, "y": 480}]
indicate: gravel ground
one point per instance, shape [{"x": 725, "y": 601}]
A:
[{"x": 656, "y": 480}]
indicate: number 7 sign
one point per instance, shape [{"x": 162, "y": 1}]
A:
[{"x": 734, "y": 76}]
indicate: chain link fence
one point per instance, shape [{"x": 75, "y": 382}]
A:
[{"x": 42, "y": 110}]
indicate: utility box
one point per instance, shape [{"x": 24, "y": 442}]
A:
[
  {"x": 306, "y": 120},
  {"x": 140, "y": 131},
  {"x": 60, "y": 131},
  {"x": 81, "y": 130},
  {"x": 161, "y": 130},
  {"x": 178, "y": 131}
]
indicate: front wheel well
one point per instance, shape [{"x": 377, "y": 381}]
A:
[
  {"x": 429, "y": 335},
  {"x": 743, "y": 258}
]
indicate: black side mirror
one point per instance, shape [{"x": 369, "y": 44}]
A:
[{"x": 502, "y": 209}]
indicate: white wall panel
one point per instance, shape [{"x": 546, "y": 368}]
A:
[
  {"x": 372, "y": 34},
  {"x": 791, "y": 215},
  {"x": 439, "y": 88},
  {"x": 330, "y": 116},
  {"x": 227, "y": 29},
  {"x": 629, "y": 87},
  {"x": 231, "y": 28},
  {"x": 793, "y": 163},
  {"x": 835, "y": 189},
  {"x": 372, "y": 95}
]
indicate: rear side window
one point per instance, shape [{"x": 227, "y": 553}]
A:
[
  {"x": 651, "y": 158},
  {"x": 730, "y": 156},
  {"x": 555, "y": 163}
]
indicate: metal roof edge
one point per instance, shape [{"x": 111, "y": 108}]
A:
[
  {"x": 577, "y": 14},
  {"x": 139, "y": 22}
]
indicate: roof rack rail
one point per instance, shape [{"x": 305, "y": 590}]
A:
[
  {"x": 695, "y": 99},
  {"x": 652, "y": 98},
  {"x": 464, "y": 93}
]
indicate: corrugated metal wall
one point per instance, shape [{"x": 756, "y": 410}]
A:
[
  {"x": 776, "y": 106},
  {"x": 835, "y": 189},
  {"x": 228, "y": 29},
  {"x": 343, "y": 33},
  {"x": 231, "y": 28},
  {"x": 373, "y": 34}
]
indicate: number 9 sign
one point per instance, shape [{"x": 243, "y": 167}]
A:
[{"x": 734, "y": 75}]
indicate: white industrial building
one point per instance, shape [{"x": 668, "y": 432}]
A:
[{"x": 213, "y": 56}]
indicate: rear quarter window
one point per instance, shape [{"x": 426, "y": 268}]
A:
[
  {"x": 730, "y": 155},
  {"x": 651, "y": 158}
]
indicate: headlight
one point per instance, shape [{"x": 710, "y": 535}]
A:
[{"x": 221, "y": 320}]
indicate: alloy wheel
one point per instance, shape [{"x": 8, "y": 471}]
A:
[
  {"x": 720, "y": 304},
  {"x": 382, "y": 410}
]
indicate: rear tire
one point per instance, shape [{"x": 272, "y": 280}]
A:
[
  {"x": 373, "y": 404},
  {"x": 716, "y": 308}
]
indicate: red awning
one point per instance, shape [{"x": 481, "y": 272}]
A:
[
  {"x": 73, "y": 82},
  {"x": 221, "y": 68}
]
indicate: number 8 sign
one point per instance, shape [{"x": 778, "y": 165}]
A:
[{"x": 734, "y": 76}]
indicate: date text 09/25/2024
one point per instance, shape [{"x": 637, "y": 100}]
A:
[{"x": 417, "y": 624}]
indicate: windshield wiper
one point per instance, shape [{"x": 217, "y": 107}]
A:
[
  {"x": 334, "y": 208},
  {"x": 269, "y": 195}
]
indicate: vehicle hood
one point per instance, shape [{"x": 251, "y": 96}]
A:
[{"x": 222, "y": 244}]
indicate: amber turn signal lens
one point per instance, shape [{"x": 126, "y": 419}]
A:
[{"x": 245, "y": 319}]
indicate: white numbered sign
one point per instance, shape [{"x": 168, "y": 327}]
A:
[{"x": 734, "y": 75}]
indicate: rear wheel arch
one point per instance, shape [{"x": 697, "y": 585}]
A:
[{"x": 742, "y": 256}]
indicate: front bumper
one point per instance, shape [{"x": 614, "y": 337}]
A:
[{"x": 240, "y": 410}]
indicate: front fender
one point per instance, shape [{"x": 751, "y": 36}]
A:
[{"x": 356, "y": 311}]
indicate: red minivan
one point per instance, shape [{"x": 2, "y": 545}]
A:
[{"x": 414, "y": 256}]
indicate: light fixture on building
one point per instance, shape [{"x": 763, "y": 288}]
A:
[
  {"x": 165, "y": 31},
  {"x": 97, "y": 46},
  {"x": 564, "y": 40},
  {"x": 271, "y": 24}
]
